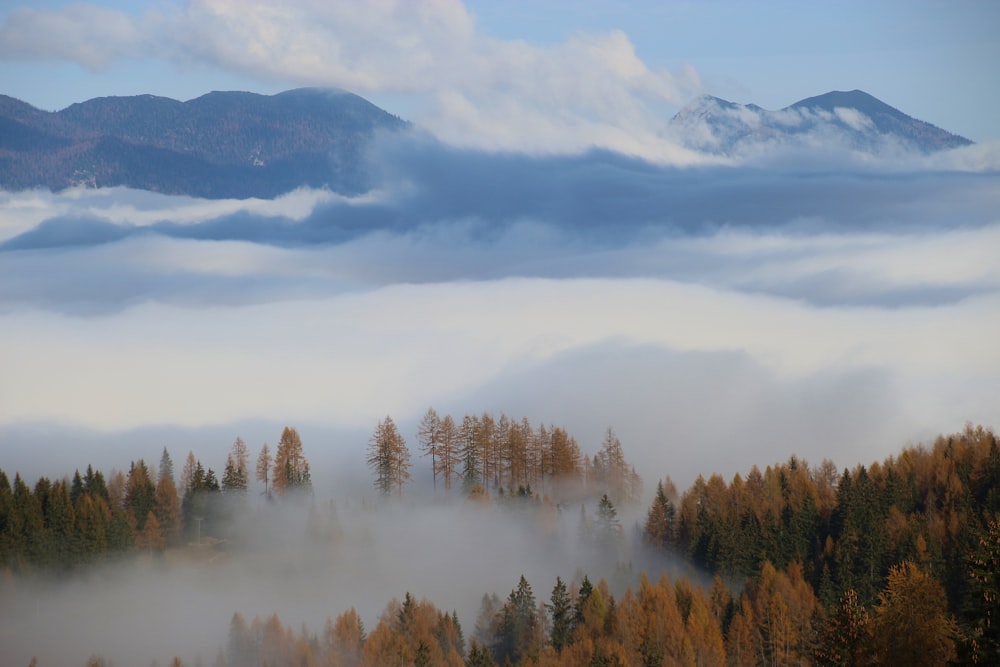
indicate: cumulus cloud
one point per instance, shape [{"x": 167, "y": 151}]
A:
[{"x": 469, "y": 88}]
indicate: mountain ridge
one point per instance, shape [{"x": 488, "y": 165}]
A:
[
  {"x": 221, "y": 144},
  {"x": 855, "y": 120},
  {"x": 238, "y": 144}
]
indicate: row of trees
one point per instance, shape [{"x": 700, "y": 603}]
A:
[
  {"x": 775, "y": 620},
  {"x": 64, "y": 523},
  {"x": 483, "y": 453}
]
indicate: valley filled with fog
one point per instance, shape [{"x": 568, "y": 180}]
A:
[{"x": 716, "y": 317}]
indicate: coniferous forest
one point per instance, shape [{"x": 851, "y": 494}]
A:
[{"x": 892, "y": 562}]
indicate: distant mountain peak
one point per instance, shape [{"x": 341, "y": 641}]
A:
[{"x": 853, "y": 120}]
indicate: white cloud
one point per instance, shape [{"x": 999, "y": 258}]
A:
[
  {"x": 86, "y": 34},
  {"x": 475, "y": 90}
]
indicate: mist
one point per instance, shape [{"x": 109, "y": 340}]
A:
[{"x": 716, "y": 317}]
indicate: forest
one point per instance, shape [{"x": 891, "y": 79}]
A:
[{"x": 893, "y": 562}]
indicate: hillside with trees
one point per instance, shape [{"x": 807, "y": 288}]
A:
[
  {"x": 222, "y": 144},
  {"x": 895, "y": 562}
]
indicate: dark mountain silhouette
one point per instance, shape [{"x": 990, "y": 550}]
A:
[
  {"x": 851, "y": 120},
  {"x": 223, "y": 144}
]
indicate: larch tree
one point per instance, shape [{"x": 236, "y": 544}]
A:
[
  {"x": 264, "y": 460},
  {"x": 912, "y": 622},
  {"x": 187, "y": 474},
  {"x": 449, "y": 451},
  {"x": 291, "y": 470},
  {"x": 471, "y": 455},
  {"x": 622, "y": 484},
  {"x": 168, "y": 507},
  {"x": 429, "y": 436},
  {"x": 388, "y": 458}
]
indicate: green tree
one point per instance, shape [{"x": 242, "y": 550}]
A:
[
  {"x": 236, "y": 475},
  {"x": 661, "y": 520},
  {"x": 983, "y": 609},
  {"x": 518, "y": 628},
  {"x": 846, "y": 638},
  {"x": 561, "y": 612},
  {"x": 140, "y": 493}
]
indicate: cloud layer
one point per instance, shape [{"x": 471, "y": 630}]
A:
[{"x": 865, "y": 301}]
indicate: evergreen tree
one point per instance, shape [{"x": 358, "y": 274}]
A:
[
  {"x": 166, "y": 466},
  {"x": 661, "y": 520},
  {"x": 235, "y": 477},
  {"x": 140, "y": 493},
  {"x": 983, "y": 609},
  {"x": 518, "y": 628},
  {"x": 561, "y": 611}
]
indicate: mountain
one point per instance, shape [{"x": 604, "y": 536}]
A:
[
  {"x": 223, "y": 144},
  {"x": 851, "y": 120}
]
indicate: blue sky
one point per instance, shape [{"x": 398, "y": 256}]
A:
[{"x": 446, "y": 64}]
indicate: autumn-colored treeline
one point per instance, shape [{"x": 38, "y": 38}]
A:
[
  {"x": 483, "y": 453},
  {"x": 775, "y": 620},
  {"x": 926, "y": 505},
  {"x": 897, "y": 562},
  {"x": 65, "y": 523},
  {"x": 61, "y": 524}
]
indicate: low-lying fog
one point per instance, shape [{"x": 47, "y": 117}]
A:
[{"x": 716, "y": 318}]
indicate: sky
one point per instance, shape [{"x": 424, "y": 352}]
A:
[
  {"x": 502, "y": 74},
  {"x": 538, "y": 248}
]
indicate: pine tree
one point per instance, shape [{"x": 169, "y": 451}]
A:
[
  {"x": 518, "y": 631},
  {"x": 661, "y": 520},
  {"x": 983, "y": 612},
  {"x": 166, "y": 466},
  {"x": 561, "y": 612},
  {"x": 140, "y": 493},
  {"x": 235, "y": 477}
]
